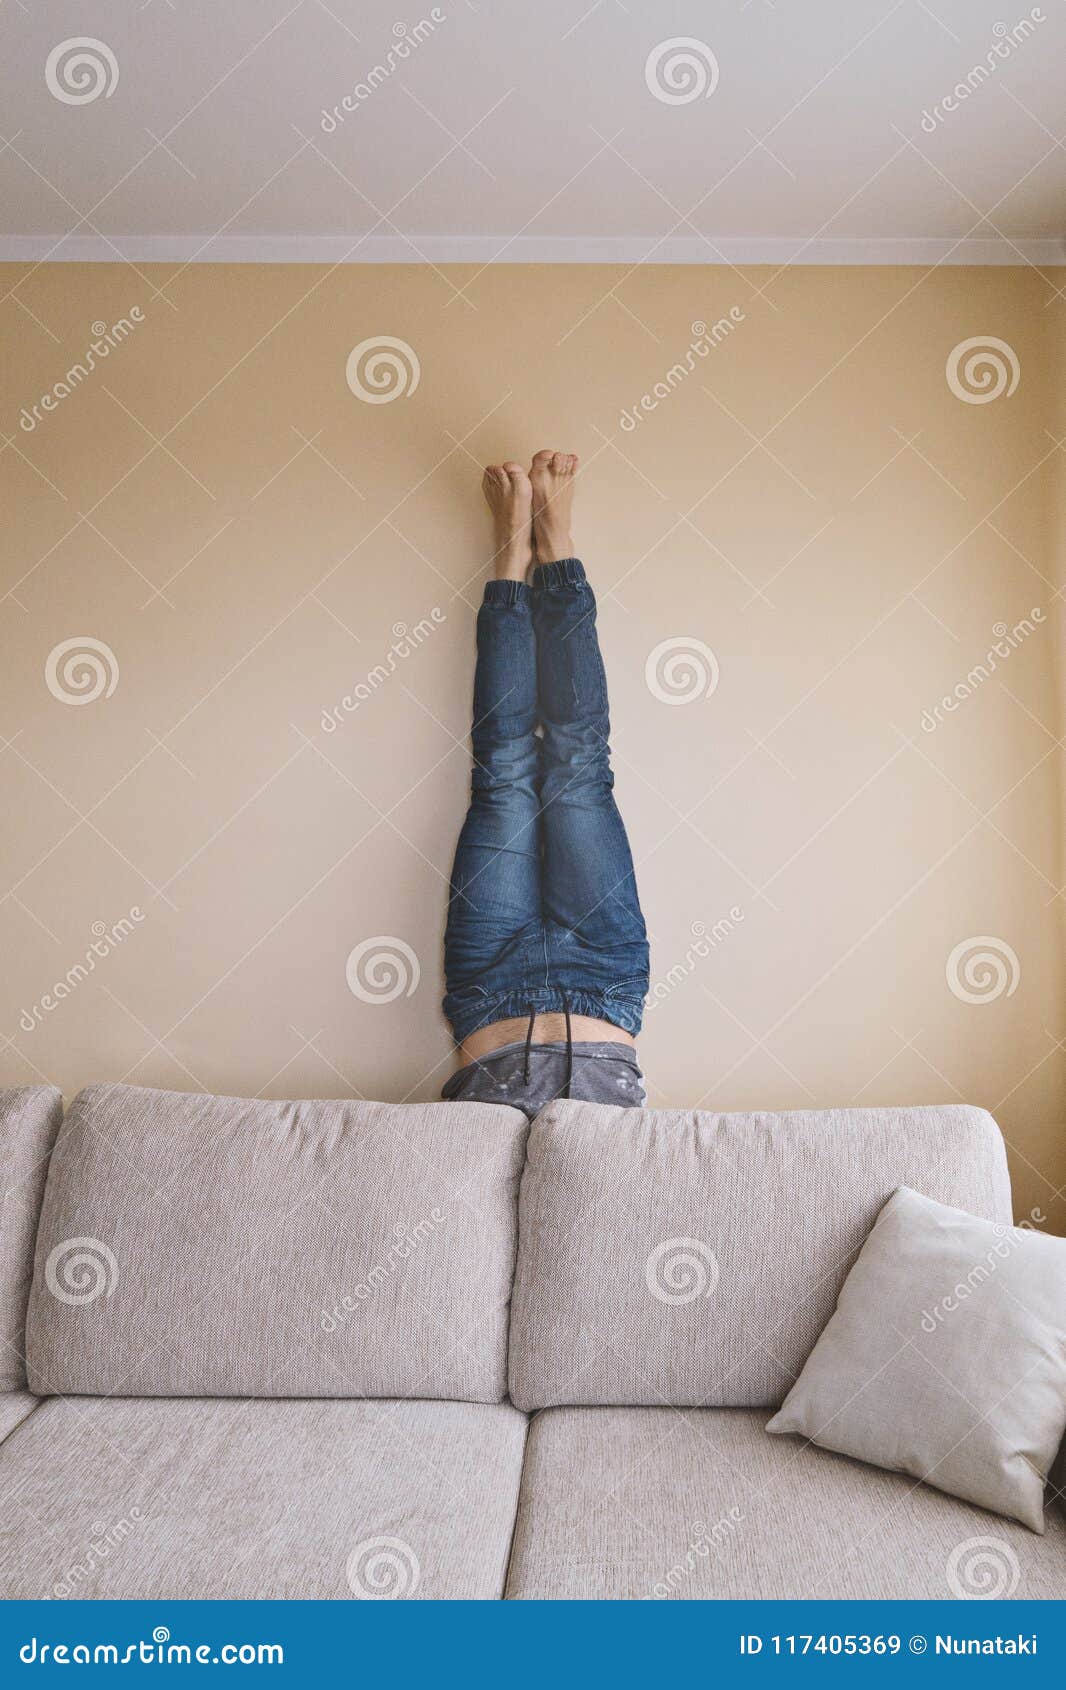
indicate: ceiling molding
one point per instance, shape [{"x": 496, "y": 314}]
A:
[{"x": 524, "y": 249}]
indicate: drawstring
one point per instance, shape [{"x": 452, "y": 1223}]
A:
[
  {"x": 569, "y": 1047},
  {"x": 529, "y": 1041}
]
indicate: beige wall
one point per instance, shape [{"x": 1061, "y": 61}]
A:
[{"x": 812, "y": 502}]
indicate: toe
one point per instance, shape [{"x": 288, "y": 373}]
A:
[
  {"x": 559, "y": 462},
  {"x": 513, "y": 469},
  {"x": 542, "y": 458}
]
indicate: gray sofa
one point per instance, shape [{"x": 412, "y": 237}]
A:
[{"x": 334, "y": 1349}]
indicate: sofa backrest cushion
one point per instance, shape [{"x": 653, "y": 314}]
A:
[
  {"x": 216, "y": 1246},
  {"x": 683, "y": 1257},
  {"x": 29, "y": 1121}
]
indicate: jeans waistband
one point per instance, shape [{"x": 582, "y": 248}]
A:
[{"x": 468, "y": 1018}]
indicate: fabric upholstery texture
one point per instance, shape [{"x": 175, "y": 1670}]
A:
[
  {"x": 945, "y": 1358},
  {"x": 650, "y": 1503},
  {"x": 230, "y": 1499},
  {"x": 15, "y": 1407},
  {"x": 29, "y": 1121},
  {"x": 197, "y": 1251},
  {"x": 694, "y": 1258},
  {"x": 209, "y": 1246}
]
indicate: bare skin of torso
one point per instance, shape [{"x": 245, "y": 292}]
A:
[{"x": 547, "y": 1029}]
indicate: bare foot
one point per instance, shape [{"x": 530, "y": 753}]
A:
[
  {"x": 552, "y": 475},
  {"x": 509, "y": 495}
]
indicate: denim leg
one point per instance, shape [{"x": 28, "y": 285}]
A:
[
  {"x": 494, "y": 909},
  {"x": 596, "y": 933}
]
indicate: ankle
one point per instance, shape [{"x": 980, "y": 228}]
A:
[
  {"x": 513, "y": 558},
  {"x": 553, "y": 544}
]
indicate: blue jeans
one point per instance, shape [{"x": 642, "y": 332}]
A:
[{"x": 543, "y": 912}]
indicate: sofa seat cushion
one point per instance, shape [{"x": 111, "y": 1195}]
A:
[
  {"x": 190, "y": 1497},
  {"x": 646, "y": 1503},
  {"x": 229, "y": 1247},
  {"x": 681, "y": 1256}
]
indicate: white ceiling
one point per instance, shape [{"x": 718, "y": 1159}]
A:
[{"x": 529, "y": 131}]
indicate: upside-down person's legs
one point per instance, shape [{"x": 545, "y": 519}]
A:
[
  {"x": 598, "y": 948},
  {"x": 494, "y": 904}
]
